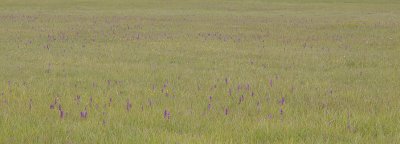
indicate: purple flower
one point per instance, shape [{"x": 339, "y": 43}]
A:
[
  {"x": 165, "y": 113},
  {"x": 61, "y": 114},
  {"x": 84, "y": 114},
  {"x": 281, "y": 111},
  {"x": 52, "y": 106},
  {"x": 128, "y": 105},
  {"x": 269, "y": 116},
  {"x": 241, "y": 99},
  {"x": 270, "y": 82},
  {"x": 252, "y": 93},
  {"x": 282, "y": 101},
  {"x": 226, "y": 111},
  {"x": 210, "y": 97}
]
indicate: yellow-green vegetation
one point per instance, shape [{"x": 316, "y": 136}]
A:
[{"x": 213, "y": 71}]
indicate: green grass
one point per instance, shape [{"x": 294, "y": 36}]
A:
[{"x": 336, "y": 63}]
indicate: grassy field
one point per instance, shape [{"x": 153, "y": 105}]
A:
[{"x": 213, "y": 71}]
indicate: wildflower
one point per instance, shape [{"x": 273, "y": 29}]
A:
[
  {"x": 61, "y": 114},
  {"x": 84, "y": 114},
  {"x": 282, "y": 101},
  {"x": 226, "y": 111},
  {"x": 241, "y": 99},
  {"x": 167, "y": 114},
  {"x": 52, "y": 106},
  {"x": 270, "y": 82},
  {"x": 128, "y": 105},
  {"x": 269, "y": 116}
]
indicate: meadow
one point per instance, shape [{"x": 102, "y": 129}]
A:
[{"x": 212, "y": 71}]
